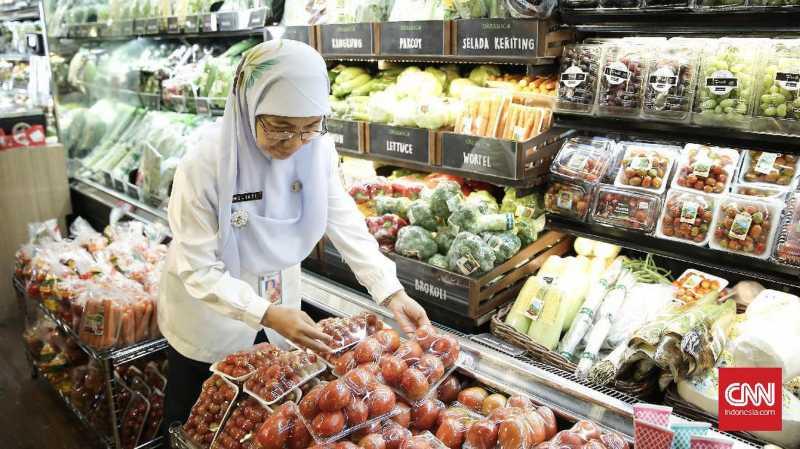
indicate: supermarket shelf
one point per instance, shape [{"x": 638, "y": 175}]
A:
[
  {"x": 449, "y": 59},
  {"x": 14, "y": 57},
  {"x": 21, "y": 113},
  {"x": 491, "y": 365},
  {"x": 112, "y": 198},
  {"x": 104, "y": 439},
  {"x": 680, "y": 132},
  {"x": 745, "y": 267},
  {"x": 164, "y": 36},
  {"x": 27, "y": 13},
  {"x": 677, "y": 22},
  {"x": 117, "y": 356},
  {"x": 521, "y": 183}
]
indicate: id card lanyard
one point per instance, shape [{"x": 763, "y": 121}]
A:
[{"x": 270, "y": 287}]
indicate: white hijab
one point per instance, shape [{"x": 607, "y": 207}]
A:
[{"x": 285, "y": 78}]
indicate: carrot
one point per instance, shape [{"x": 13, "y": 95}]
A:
[
  {"x": 510, "y": 125},
  {"x": 154, "y": 332},
  {"x": 138, "y": 316},
  {"x": 108, "y": 336},
  {"x": 502, "y": 120},
  {"x": 479, "y": 128},
  {"x": 493, "y": 118}
]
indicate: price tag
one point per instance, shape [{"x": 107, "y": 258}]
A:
[
  {"x": 191, "y": 24},
  {"x": 132, "y": 191},
  {"x": 498, "y": 344},
  {"x": 107, "y": 178},
  {"x": 209, "y": 22},
  {"x": 258, "y": 17},
  {"x": 173, "y": 25},
  {"x": 344, "y": 134},
  {"x": 494, "y": 157},
  {"x": 228, "y": 21},
  {"x": 468, "y": 361}
]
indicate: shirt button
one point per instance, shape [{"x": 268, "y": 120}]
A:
[{"x": 297, "y": 186}]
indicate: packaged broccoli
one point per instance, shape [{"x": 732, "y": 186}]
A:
[
  {"x": 438, "y": 261},
  {"x": 445, "y": 198},
  {"x": 444, "y": 238},
  {"x": 504, "y": 244},
  {"x": 390, "y": 205},
  {"x": 419, "y": 214},
  {"x": 528, "y": 229},
  {"x": 530, "y": 205},
  {"x": 464, "y": 218},
  {"x": 484, "y": 200},
  {"x": 415, "y": 241},
  {"x": 469, "y": 254}
]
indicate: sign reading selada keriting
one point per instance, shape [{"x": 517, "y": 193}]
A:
[
  {"x": 408, "y": 144},
  {"x": 413, "y": 38},
  {"x": 497, "y": 37},
  {"x": 346, "y": 39}
]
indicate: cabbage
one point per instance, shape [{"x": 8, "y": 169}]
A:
[
  {"x": 416, "y": 83},
  {"x": 451, "y": 71},
  {"x": 433, "y": 114},
  {"x": 459, "y": 86},
  {"x": 439, "y": 74},
  {"x": 405, "y": 112},
  {"x": 479, "y": 75},
  {"x": 381, "y": 106}
]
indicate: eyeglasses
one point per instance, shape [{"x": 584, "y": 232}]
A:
[{"x": 279, "y": 136}]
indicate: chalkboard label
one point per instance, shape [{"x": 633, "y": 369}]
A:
[
  {"x": 118, "y": 185},
  {"x": 257, "y": 18},
  {"x": 344, "y": 134},
  {"x": 107, "y": 178},
  {"x": 152, "y": 26},
  {"x": 298, "y": 33},
  {"x": 498, "y": 344},
  {"x": 408, "y": 144},
  {"x": 480, "y": 155},
  {"x": 140, "y": 26},
  {"x": 209, "y": 22},
  {"x": 126, "y": 28},
  {"x": 191, "y": 24},
  {"x": 228, "y": 21},
  {"x": 202, "y": 106},
  {"x": 173, "y": 25},
  {"x": 413, "y": 38},
  {"x": 428, "y": 283},
  {"x": 348, "y": 39},
  {"x": 132, "y": 191},
  {"x": 497, "y": 37}
]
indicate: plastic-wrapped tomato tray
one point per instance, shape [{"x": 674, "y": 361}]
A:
[
  {"x": 568, "y": 198},
  {"x": 368, "y": 351},
  {"x": 646, "y": 167},
  {"x": 242, "y": 364},
  {"x": 746, "y": 226},
  {"x": 706, "y": 169},
  {"x": 693, "y": 285},
  {"x": 244, "y": 421},
  {"x": 283, "y": 429},
  {"x": 346, "y": 332},
  {"x": 420, "y": 364},
  {"x": 769, "y": 169},
  {"x": 627, "y": 209},
  {"x": 687, "y": 217},
  {"x": 288, "y": 371},
  {"x": 208, "y": 413},
  {"x": 582, "y": 158},
  {"x": 340, "y": 407},
  {"x": 134, "y": 419}
]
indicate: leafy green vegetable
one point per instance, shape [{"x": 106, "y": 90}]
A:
[
  {"x": 479, "y": 75},
  {"x": 415, "y": 241},
  {"x": 469, "y": 254},
  {"x": 419, "y": 214}
]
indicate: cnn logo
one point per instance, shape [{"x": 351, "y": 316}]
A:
[{"x": 750, "y": 399}]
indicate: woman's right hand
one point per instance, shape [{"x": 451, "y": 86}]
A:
[{"x": 296, "y": 326}]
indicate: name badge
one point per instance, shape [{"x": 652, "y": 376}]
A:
[
  {"x": 250, "y": 196},
  {"x": 270, "y": 287}
]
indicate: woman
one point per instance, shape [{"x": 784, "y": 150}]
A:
[{"x": 247, "y": 206}]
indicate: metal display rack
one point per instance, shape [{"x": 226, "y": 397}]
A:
[{"x": 108, "y": 361}]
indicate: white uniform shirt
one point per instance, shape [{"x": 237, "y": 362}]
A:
[{"x": 204, "y": 312}]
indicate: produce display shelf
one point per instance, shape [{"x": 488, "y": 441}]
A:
[
  {"x": 719, "y": 261},
  {"x": 444, "y": 59},
  {"x": 104, "y": 439},
  {"x": 15, "y": 57},
  {"x": 493, "y": 366},
  {"x": 112, "y": 198},
  {"x": 26, "y": 13},
  {"x": 681, "y": 21},
  {"x": 166, "y": 36},
  {"x": 507, "y": 182},
  {"x": 117, "y": 356},
  {"x": 725, "y": 137}
]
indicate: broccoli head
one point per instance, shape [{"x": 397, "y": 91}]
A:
[
  {"x": 444, "y": 238},
  {"x": 419, "y": 214},
  {"x": 469, "y": 254},
  {"x": 484, "y": 200},
  {"x": 438, "y": 261},
  {"x": 445, "y": 198},
  {"x": 415, "y": 241},
  {"x": 504, "y": 244},
  {"x": 390, "y": 205},
  {"x": 528, "y": 229}
]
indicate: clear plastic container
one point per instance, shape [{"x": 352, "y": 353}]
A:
[
  {"x": 746, "y": 226},
  {"x": 283, "y": 429},
  {"x": 687, "y": 217},
  {"x": 778, "y": 95},
  {"x": 155, "y": 416},
  {"x": 242, "y": 364},
  {"x": 670, "y": 81},
  {"x": 693, "y": 285},
  {"x": 762, "y": 169},
  {"x": 208, "y": 413},
  {"x": 528, "y": 424},
  {"x": 577, "y": 86},
  {"x": 787, "y": 246},
  {"x": 336, "y": 409},
  {"x": 626, "y": 209},
  {"x": 246, "y": 418},
  {"x": 759, "y": 191},
  {"x": 706, "y": 169},
  {"x": 290, "y": 370},
  {"x": 726, "y": 83},
  {"x": 620, "y": 91},
  {"x": 582, "y": 158},
  {"x": 568, "y": 198},
  {"x": 347, "y": 332},
  {"x": 134, "y": 418},
  {"x": 367, "y": 351},
  {"x": 646, "y": 166},
  {"x": 420, "y": 364}
]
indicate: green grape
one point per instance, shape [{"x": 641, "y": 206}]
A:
[
  {"x": 770, "y": 111},
  {"x": 780, "y": 111}
]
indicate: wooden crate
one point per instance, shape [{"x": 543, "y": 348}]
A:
[{"x": 467, "y": 296}]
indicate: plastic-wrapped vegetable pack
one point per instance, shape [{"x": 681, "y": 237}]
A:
[
  {"x": 580, "y": 69},
  {"x": 469, "y": 255},
  {"x": 670, "y": 81},
  {"x": 415, "y": 241}
]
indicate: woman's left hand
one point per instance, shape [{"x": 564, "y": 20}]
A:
[{"x": 407, "y": 312}]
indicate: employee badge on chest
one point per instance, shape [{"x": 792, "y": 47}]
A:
[
  {"x": 239, "y": 218},
  {"x": 270, "y": 288}
]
